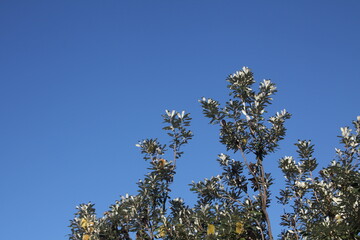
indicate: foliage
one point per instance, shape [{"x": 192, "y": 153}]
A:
[
  {"x": 244, "y": 129},
  {"x": 234, "y": 204},
  {"x": 324, "y": 206}
]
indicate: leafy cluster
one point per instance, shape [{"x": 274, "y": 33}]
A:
[
  {"x": 324, "y": 206},
  {"x": 245, "y": 128},
  {"x": 234, "y": 204},
  {"x": 142, "y": 215}
]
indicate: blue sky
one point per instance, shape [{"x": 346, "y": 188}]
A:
[{"x": 81, "y": 82}]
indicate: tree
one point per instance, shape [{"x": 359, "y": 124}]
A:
[
  {"x": 324, "y": 206},
  {"x": 234, "y": 204}
]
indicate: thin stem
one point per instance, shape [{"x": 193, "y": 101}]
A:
[
  {"x": 263, "y": 190},
  {"x": 264, "y": 200},
  {"x": 174, "y": 149},
  {"x": 232, "y": 199},
  {"x": 257, "y": 222}
]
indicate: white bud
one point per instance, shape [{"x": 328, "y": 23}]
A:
[{"x": 345, "y": 132}]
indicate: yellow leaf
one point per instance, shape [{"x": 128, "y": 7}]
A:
[
  {"x": 162, "y": 162},
  {"x": 83, "y": 223},
  {"x": 239, "y": 227},
  {"x": 338, "y": 218},
  {"x": 86, "y": 237},
  {"x": 162, "y": 231},
  {"x": 211, "y": 229}
]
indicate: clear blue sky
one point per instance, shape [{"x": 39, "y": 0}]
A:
[{"x": 82, "y": 81}]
